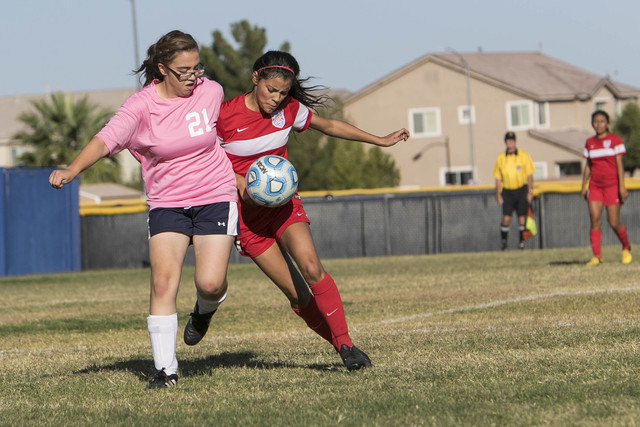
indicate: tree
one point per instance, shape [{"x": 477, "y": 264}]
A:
[
  {"x": 232, "y": 67},
  {"x": 57, "y": 130},
  {"x": 628, "y": 127},
  {"x": 328, "y": 163},
  {"x": 322, "y": 163}
]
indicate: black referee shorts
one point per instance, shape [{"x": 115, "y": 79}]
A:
[{"x": 515, "y": 200}]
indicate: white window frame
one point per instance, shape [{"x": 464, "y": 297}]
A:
[
  {"x": 456, "y": 170},
  {"x": 545, "y": 107},
  {"x": 521, "y": 103},
  {"x": 462, "y": 119},
  {"x": 425, "y": 111},
  {"x": 601, "y": 100},
  {"x": 541, "y": 167}
]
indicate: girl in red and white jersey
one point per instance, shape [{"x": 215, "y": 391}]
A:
[
  {"x": 258, "y": 123},
  {"x": 605, "y": 175}
]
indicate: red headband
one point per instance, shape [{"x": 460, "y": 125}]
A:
[{"x": 277, "y": 66}]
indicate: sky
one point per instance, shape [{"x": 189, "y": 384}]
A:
[{"x": 79, "y": 45}]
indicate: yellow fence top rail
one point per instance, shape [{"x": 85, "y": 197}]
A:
[{"x": 131, "y": 206}]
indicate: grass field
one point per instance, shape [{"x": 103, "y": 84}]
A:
[{"x": 515, "y": 338}]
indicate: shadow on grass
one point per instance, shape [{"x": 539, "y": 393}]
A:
[
  {"x": 143, "y": 368},
  {"x": 573, "y": 262}
]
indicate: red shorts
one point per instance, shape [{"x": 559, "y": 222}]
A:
[
  {"x": 607, "y": 195},
  {"x": 260, "y": 226}
]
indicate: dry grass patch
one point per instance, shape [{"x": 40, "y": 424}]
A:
[{"x": 516, "y": 338}]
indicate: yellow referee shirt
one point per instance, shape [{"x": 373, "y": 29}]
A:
[{"x": 513, "y": 169}]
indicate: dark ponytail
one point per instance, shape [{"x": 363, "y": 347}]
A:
[
  {"x": 283, "y": 64},
  {"x": 163, "y": 52}
]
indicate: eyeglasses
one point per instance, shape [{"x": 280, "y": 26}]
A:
[{"x": 197, "y": 71}]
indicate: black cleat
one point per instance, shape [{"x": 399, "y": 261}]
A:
[
  {"x": 197, "y": 326},
  {"x": 354, "y": 358},
  {"x": 162, "y": 380}
]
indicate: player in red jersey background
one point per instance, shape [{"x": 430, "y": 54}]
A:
[{"x": 605, "y": 175}]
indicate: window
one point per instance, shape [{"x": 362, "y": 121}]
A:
[
  {"x": 541, "y": 171},
  {"x": 425, "y": 122},
  {"x": 568, "y": 168},
  {"x": 458, "y": 175},
  {"x": 520, "y": 115},
  {"x": 542, "y": 110},
  {"x": 465, "y": 114},
  {"x": 600, "y": 103}
]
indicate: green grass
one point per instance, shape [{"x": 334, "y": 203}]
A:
[{"x": 515, "y": 338}]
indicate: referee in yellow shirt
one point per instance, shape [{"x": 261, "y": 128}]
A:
[{"x": 514, "y": 186}]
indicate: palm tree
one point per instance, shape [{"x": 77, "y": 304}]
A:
[{"x": 58, "y": 129}]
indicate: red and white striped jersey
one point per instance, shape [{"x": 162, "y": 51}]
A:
[
  {"x": 602, "y": 152},
  {"x": 246, "y": 135}
]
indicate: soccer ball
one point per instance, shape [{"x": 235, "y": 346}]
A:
[{"x": 271, "y": 181}]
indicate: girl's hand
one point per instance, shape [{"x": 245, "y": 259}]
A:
[
  {"x": 624, "y": 195},
  {"x": 242, "y": 191},
  {"x": 246, "y": 199},
  {"x": 60, "y": 177},
  {"x": 394, "y": 137}
]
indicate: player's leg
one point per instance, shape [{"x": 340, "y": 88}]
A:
[
  {"x": 595, "y": 233},
  {"x": 613, "y": 216},
  {"x": 277, "y": 265},
  {"x": 298, "y": 242},
  {"x": 215, "y": 227},
  {"x": 166, "y": 254},
  {"x": 274, "y": 264}
]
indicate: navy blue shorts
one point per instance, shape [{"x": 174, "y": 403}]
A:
[{"x": 216, "y": 218}]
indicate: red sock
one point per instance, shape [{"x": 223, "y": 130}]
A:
[
  {"x": 622, "y": 236},
  {"x": 596, "y": 238},
  {"x": 330, "y": 305},
  {"x": 314, "y": 319}
]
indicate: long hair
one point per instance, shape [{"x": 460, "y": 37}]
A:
[
  {"x": 162, "y": 52},
  {"x": 283, "y": 64}
]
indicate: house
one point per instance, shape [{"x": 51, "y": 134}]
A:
[{"x": 546, "y": 102}]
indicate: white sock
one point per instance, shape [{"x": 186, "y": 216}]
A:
[
  {"x": 162, "y": 333},
  {"x": 207, "y": 306}
]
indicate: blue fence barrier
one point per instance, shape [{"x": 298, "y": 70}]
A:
[{"x": 39, "y": 226}]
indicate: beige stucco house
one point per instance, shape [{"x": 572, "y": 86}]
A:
[{"x": 547, "y": 103}]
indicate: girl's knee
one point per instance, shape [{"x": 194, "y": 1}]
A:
[
  {"x": 313, "y": 273},
  {"x": 211, "y": 289}
]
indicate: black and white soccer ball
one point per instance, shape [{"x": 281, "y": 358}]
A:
[{"x": 271, "y": 181}]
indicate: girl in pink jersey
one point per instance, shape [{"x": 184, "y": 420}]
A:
[
  {"x": 258, "y": 123},
  {"x": 605, "y": 174},
  {"x": 169, "y": 126}
]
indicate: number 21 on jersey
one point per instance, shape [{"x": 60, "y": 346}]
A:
[{"x": 198, "y": 123}]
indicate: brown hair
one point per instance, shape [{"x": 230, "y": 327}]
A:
[{"x": 162, "y": 52}]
